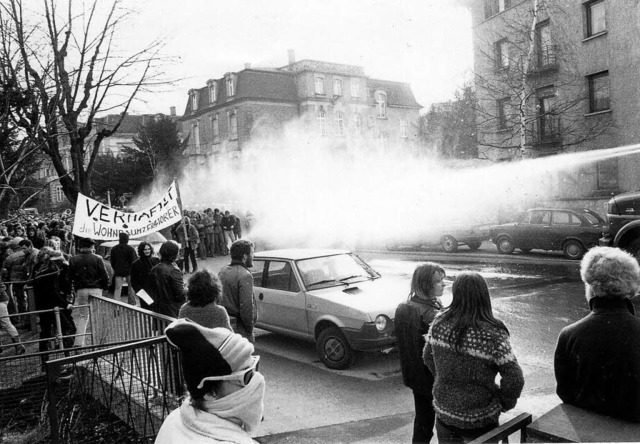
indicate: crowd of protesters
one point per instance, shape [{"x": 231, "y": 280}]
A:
[{"x": 450, "y": 356}]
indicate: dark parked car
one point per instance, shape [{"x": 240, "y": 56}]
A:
[{"x": 571, "y": 231}]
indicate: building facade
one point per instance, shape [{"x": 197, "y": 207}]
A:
[
  {"x": 329, "y": 99},
  {"x": 559, "y": 76}
]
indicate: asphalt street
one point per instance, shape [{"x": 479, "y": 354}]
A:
[{"x": 535, "y": 295}]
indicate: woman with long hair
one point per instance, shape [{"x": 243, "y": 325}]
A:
[
  {"x": 204, "y": 293},
  {"x": 412, "y": 320},
  {"x": 465, "y": 349},
  {"x": 140, "y": 269}
]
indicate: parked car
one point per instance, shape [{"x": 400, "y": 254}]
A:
[
  {"x": 328, "y": 296},
  {"x": 573, "y": 231},
  {"x": 448, "y": 237}
]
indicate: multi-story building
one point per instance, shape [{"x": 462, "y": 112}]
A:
[
  {"x": 329, "y": 99},
  {"x": 558, "y": 76}
]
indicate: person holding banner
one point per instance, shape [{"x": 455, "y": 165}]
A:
[{"x": 189, "y": 239}]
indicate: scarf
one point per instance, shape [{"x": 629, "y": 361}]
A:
[{"x": 244, "y": 407}]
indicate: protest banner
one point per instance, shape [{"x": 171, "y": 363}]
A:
[{"x": 99, "y": 221}]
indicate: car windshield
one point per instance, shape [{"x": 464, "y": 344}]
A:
[
  {"x": 332, "y": 271},
  {"x": 594, "y": 218}
]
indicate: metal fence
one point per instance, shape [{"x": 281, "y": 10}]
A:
[{"x": 126, "y": 390}]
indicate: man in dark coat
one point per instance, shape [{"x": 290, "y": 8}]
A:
[
  {"x": 122, "y": 256},
  {"x": 237, "y": 288},
  {"x": 89, "y": 277},
  {"x": 597, "y": 359},
  {"x": 169, "y": 292}
]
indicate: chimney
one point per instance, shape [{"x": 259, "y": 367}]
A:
[
  {"x": 247, "y": 66},
  {"x": 172, "y": 111},
  {"x": 292, "y": 56}
]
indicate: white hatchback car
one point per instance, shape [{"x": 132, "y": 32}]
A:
[{"x": 331, "y": 297}]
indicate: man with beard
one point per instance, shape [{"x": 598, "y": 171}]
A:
[{"x": 237, "y": 288}]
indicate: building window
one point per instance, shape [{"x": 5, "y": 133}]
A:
[
  {"x": 231, "y": 91},
  {"x": 319, "y": 85},
  {"x": 545, "y": 51},
  {"x": 493, "y": 7},
  {"x": 233, "y": 124},
  {"x": 337, "y": 87},
  {"x": 338, "y": 122},
  {"x": 548, "y": 120},
  {"x": 596, "y": 22},
  {"x": 357, "y": 124},
  {"x": 599, "y": 94},
  {"x": 503, "y": 113},
  {"x": 502, "y": 54},
  {"x": 355, "y": 88},
  {"x": 213, "y": 92},
  {"x": 194, "y": 100},
  {"x": 404, "y": 129},
  {"x": 215, "y": 128},
  {"x": 59, "y": 194},
  {"x": 196, "y": 134},
  {"x": 381, "y": 104},
  {"x": 322, "y": 122},
  {"x": 608, "y": 174}
]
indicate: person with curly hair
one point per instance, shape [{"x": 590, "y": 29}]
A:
[
  {"x": 203, "y": 296},
  {"x": 597, "y": 359}
]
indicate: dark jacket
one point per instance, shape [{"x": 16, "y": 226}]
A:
[
  {"x": 228, "y": 222},
  {"x": 411, "y": 323},
  {"x": 51, "y": 286},
  {"x": 86, "y": 270},
  {"x": 141, "y": 276},
  {"x": 237, "y": 297},
  {"x": 168, "y": 291},
  {"x": 597, "y": 360},
  {"x": 122, "y": 256}
]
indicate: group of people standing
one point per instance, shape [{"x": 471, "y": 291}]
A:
[
  {"x": 209, "y": 234},
  {"x": 450, "y": 356}
]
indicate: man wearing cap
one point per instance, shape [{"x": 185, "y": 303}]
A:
[
  {"x": 237, "y": 288},
  {"x": 89, "y": 277},
  {"x": 226, "y": 391}
]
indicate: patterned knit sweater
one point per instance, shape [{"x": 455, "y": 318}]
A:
[{"x": 465, "y": 392}]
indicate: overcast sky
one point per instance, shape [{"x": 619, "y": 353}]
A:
[{"x": 424, "y": 42}]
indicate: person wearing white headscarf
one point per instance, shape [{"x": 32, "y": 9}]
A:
[{"x": 226, "y": 391}]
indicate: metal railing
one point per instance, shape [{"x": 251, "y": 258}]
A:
[
  {"x": 133, "y": 386},
  {"x": 113, "y": 321},
  {"x": 502, "y": 432}
]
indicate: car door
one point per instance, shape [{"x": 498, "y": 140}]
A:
[
  {"x": 563, "y": 224},
  {"x": 281, "y": 304},
  {"x": 535, "y": 234}
]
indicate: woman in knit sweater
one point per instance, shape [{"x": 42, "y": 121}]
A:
[
  {"x": 465, "y": 348},
  {"x": 203, "y": 295}
]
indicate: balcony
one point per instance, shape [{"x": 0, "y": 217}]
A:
[{"x": 546, "y": 60}]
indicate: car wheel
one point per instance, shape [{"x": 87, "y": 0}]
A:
[
  {"x": 449, "y": 244},
  {"x": 333, "y": 349},
  {"x": 634, "y": 249},
  {"x": 573, "y": 249},
  {"x": 392, "y": 247},
  {"x": 505, "y": 245},
  {"x": 526, "y": 250},
  {"x": 474, "y": 245}
]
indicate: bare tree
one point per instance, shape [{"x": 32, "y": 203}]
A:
[
  {"x": 531, "y": 94},
  {"x": 69, "y": 69}
]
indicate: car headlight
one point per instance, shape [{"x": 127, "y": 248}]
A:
[{"x": 381, "y": 322}]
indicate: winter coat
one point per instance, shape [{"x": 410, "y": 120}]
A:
[
  {"x": 51, "y": 286},
  {"x": 211, "y": 315},
  {"x": 465, "y": 394},
  {"x": 141, "y": 278},
  {"x": 168, "y": 288},
  {"x": 597, "y": 360},
  {"x": 87, "y": 270},
  {"x": 411, "y": 323},
  {"x": 14, "y": 267},
  {"x": 237, "y": 297},
  {"x": 193, "y": 237},
  {"x": 122, "y": 256}
]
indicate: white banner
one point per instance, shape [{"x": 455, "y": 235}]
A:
[{"x": 98, "y": 221}]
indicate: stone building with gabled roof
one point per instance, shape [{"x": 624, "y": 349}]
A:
[{"x": 330, "y": 100}]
